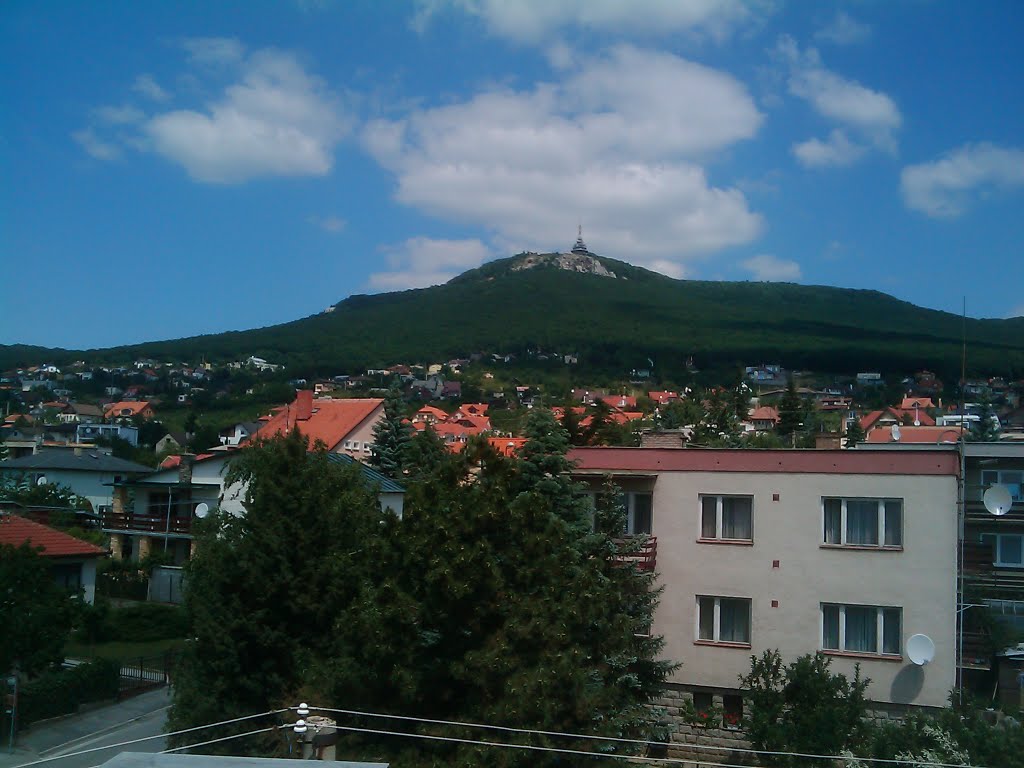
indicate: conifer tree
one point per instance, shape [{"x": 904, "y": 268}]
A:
[
  {"x": 985, "y": 430},
  {"x": 854, "y": 433},
  {"x": 791, "y": 411},
  {"x": 265, "y": 587},
  {"x": 496, "y": 601},
  {"x": 391, "y": 435}
]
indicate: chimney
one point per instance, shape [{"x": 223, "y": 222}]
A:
[
  {"x": 185, "y": 468},
  {"x": 303, "y": 404}
]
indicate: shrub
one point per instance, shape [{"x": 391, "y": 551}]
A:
[
  {"x": 62, "y": 691},
  {"x": 146, "y": 621}
]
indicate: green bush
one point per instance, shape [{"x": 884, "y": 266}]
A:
[
  {"x": 141, "y": 623},
  {"x": 62, "y": 691}
]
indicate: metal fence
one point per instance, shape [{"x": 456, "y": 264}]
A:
[{"x": 145, "y": 673}]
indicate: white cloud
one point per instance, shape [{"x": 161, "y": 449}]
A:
[
  {"x": 148, "y": 87},
  {"x": 423, "y": 261},
  {"x": 214, "y": 50},
  {"x": 614, "y": 145},
  {"x": 843, "y": 30},
  {"x": 331, "y": 224},
  {"x": 944, "y": 188},
  {"x": 768, "y": 267},
  {"x": 94, "y": 146},
  {"x": 532, "y": 21},
  {"x": 277, "y": 121},
  {"x": 837, "y": 150},
  {"x": 872, "y": 114},
  {"x": 122, "y": 115}
]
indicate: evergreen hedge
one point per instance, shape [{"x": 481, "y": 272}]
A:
[{"x": 62, "y": 691}]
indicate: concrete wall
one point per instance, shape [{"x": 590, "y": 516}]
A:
[{"x": 787, "y": 574}]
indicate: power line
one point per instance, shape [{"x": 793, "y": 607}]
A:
[
  {"x": 150, "y": 738},
  {"x": 222, "y": 738},
  {"x": 626, "y": 741},
  {"x": 536, "y": 748}
]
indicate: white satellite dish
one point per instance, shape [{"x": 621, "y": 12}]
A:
[
  {"x": 920, "y": 649},
  {"x": 41, "y": 480},
  {"x": 202, "y": 510},
  {"x": 998, "y": 500},
  {"x": 896, "y": 433}
]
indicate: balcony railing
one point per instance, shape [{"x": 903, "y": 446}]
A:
[
  {"x": 990, "y": 581},
  {"x": 131, "y": 521},
  {"x": 645, "y": 556}
]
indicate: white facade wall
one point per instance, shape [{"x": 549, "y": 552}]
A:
[{"x": 786, "y": 562}]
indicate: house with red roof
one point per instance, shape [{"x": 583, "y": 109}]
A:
[
  {"x": 663, "y": 398},
  {"x": 764, "y": 418},
  {"x": 126, "y": 409},
  {"x": 620, "y": 402},
  {"x": 910, "y": 403},
  {"x": 72, "y": 561},
  {"x": 428, "y": 414},
  {"x": 343, "y": 425},
  {"x": 927, "y": 435}
]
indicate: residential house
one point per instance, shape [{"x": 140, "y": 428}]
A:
[
  {"x": 428, "y": 414},
  {"x": 764, "y": 418},
  {"x": 239, "y": 433},
  {"x": 343, "y": 425},
  {"x": 90, "y": 433},
  {"x": 86, "y": 471},
  {"x": 662, "y": 398},
  {"x": 127, "y": 409},
  {"x": 845, "y": 552},
  {"x": 930, "y": 435},
  {"x": 72, "y": 562},
  {"x": 157, "y": 512},
  {"x": 81, "y": 413}
]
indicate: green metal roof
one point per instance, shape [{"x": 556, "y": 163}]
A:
[{"x": 387, "y": 485}]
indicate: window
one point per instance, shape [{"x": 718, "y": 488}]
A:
[
  {"x": 1007, "y": 549},
  {"x": 726, "y": 517},
  {"x": 732, "y": 711},
  {"x": 860, "y": 629},
  {"x": 639, "y": 512},
  {"x": 723, "y": 619},
  {"x": 1012, "y": 479},
  {"x": 863, "y": 522}
]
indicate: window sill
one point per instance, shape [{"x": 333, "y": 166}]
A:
[
  {"x": 722, "y": 644},
  {"x": 735, "y": 542},
  {"x": 865, "y": 656},
  {"x": 862, "y": 547}
]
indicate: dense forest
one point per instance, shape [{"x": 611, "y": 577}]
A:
[{"x": 612, "y": 324}]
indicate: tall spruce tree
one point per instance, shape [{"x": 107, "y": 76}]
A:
[
  {"x": 264, "y": 588},
  {"x": 986, "y": 429},
  {"x": 791, "y": 411},
  {"x": 854, "y": 433},
  {"x": 493, "y": 603},
  {"x": 391, "y": 435}
]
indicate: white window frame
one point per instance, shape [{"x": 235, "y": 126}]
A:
[
  {"x": 717, "y": 622},
  {"x": 1016, "y": 485},
  {"x": 879, "y": 629},
  {"x": 997, "y": 548},
  {"x": 880, "y": 521},
  {"x": 719, "y": 515}
]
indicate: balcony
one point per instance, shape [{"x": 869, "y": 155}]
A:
[
  {"x": 988, "y": 580},
  {"x": 645, "y": 556},
  {"x": 131, "y": 521}
]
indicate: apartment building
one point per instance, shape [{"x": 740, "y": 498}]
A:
[{"x": 845, "y": 552}]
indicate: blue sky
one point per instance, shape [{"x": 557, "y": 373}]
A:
[{"x": 171, "y": 169}]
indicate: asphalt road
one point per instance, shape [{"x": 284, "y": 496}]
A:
[{"x": 58, "y": 742}]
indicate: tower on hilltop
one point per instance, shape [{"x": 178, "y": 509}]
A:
[{"x": 580, "y": 247}]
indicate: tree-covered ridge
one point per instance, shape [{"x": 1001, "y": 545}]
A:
[{"x": 612, "y": 324}]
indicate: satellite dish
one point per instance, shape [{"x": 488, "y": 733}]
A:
[
  {"x": 202, "y": 510},
  {"x": 41, "y": 480},
  {"x": 998, "y": 500},
  {"x": 920, "y": 649},
  {"x": 896, "y": 432}
]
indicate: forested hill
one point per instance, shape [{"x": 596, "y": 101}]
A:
[{"x": 615, "y": 316}]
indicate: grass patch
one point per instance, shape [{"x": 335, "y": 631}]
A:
[{"x": 122, "y": 651}]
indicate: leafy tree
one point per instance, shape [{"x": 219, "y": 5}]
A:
[
  {"x": 497, "y": 601},
  {"x": 985, "y": 430},
  {"x": 791, "y": 411},
  {"x": 23, "y": 491},
  {"x": 803, "y": 707},
  {"x": 391, "y": 435},
  {"x": 854, "y": 433},
  {"x": 423, "y": 455},
  {"x": 684, "y": 412},
  {"x": 35, "y": 613},
  {"x": 264, "y": 588}
]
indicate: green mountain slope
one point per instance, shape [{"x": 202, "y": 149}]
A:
[{"x": 612, "y": 323}]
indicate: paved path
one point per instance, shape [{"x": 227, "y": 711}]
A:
[{"x": 135, "y": 718}]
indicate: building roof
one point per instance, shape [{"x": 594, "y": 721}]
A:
[
  {"x": 764, "y": 413},
  {"x": 15, "y": 530},
  {"x": 909, "y": 403},
  {"x": 802, "y": 461},
  {"x": 87, "y": 461},
  {"x": 924, "y": 434},
  {"x": 371, "y": 475},
  {"x": 330, "y": 421}
]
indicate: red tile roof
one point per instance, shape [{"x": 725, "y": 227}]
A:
[
  {"x": 765, "y": 413},
  {"x": 909, "y": 403},
  {"x": 331, "y": 421},
  {"x": 662, "y": 398},
  {"x": 16, "y": 531},
  {"x": 930, "y": 435},
  {"x": 134, "y": 406}
]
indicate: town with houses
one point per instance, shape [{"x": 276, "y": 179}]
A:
[{"x": 790, "y": 522}]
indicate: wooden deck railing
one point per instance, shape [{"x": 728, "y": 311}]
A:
[
  {"x": 130, "y": 521},
  {"x": 645, "y": 557}
]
